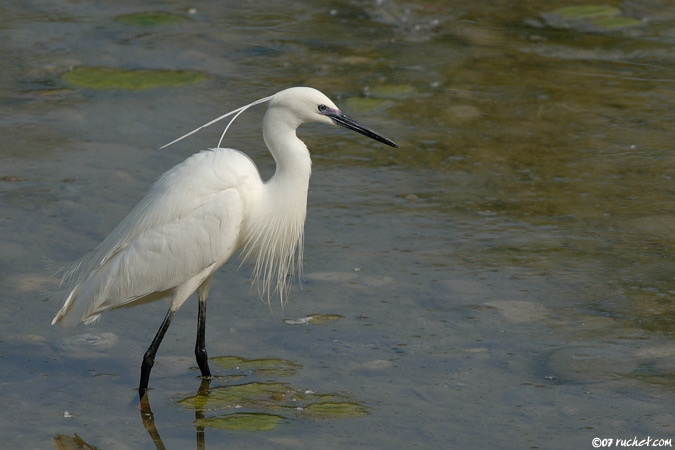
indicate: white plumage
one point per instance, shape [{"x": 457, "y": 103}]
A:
[
  {"x": 201, "y": 212},
  {"x": 190, "y": 221}
]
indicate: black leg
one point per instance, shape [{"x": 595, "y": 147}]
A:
[
  {"x": 149, "y": 357},
  {"x": 200, "y": 346}
]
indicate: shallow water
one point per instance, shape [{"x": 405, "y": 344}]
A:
[{"x": 505, "y": 278}]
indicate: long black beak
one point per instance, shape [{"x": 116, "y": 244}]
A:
[{"x": 345, "y": 121}]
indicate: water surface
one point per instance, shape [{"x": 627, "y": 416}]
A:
[{"x": 505, "y": 278}]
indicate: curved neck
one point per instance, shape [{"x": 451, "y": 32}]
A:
[{"x": 293, "y": 162}]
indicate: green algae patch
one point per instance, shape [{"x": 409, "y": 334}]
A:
[
  {"x": 616, "y": 23},
  {"x": 394, "y": 91},
  {"x": 249, "y": 395},
  {"x": 273, "y": 402},
  {"x": 334, "y": 410},
  {"x": 275, "y": 397},
  {"x": 264, "y": 406},
  {"x": 318, "y": 319},
  {"x": 365, "y": 104},
  {"x": 116, "y": 78},
  {"x": 314, "y": 319},
  {"x": 261, "y": 406},
  {"x": 151, "y": 19},
  {"x": 260, "y": 367},
  {"x": 587, "y": 11},
  {"x": 242, "y": 422},
  {"x": 379, "y": 97},
  {"x": 592, "y": 18}
]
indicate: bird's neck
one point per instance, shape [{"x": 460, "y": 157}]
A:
[
  {"x": 293, "y": 162},
  {"x": 274, "y": 239}
]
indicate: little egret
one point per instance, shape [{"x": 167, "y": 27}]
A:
[{"x": 201, "y": 212}]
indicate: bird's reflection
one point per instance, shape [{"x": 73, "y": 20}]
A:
[
  {"x": 75, "y": 442},
  {"x": 65, "y": 442},
  {"x": 148, "y": 418},
  {"x": 257, "y": 396},
  {"x": 199, "y": 413},
  {"x": 149, "y": 422}
]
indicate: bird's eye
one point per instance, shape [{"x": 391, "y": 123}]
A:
[{"x": 322, "y": 108}]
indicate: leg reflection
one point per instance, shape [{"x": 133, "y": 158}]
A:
[
  {"x": 199, "y": 413},
  {"x": 149, "y": 419},
  {"x": 149, "y": 422}
]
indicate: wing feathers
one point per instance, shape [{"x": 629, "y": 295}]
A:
[{"x": 189, "y": 221}]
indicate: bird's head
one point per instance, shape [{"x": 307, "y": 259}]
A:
[
  {"x": 304, "y": 104},
  {"x": 291, "y": 108}
]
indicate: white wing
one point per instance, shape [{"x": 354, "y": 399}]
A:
[{"x": 189, "y": 221}]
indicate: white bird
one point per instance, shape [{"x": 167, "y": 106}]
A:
[{"x": 200, "y": 213}]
